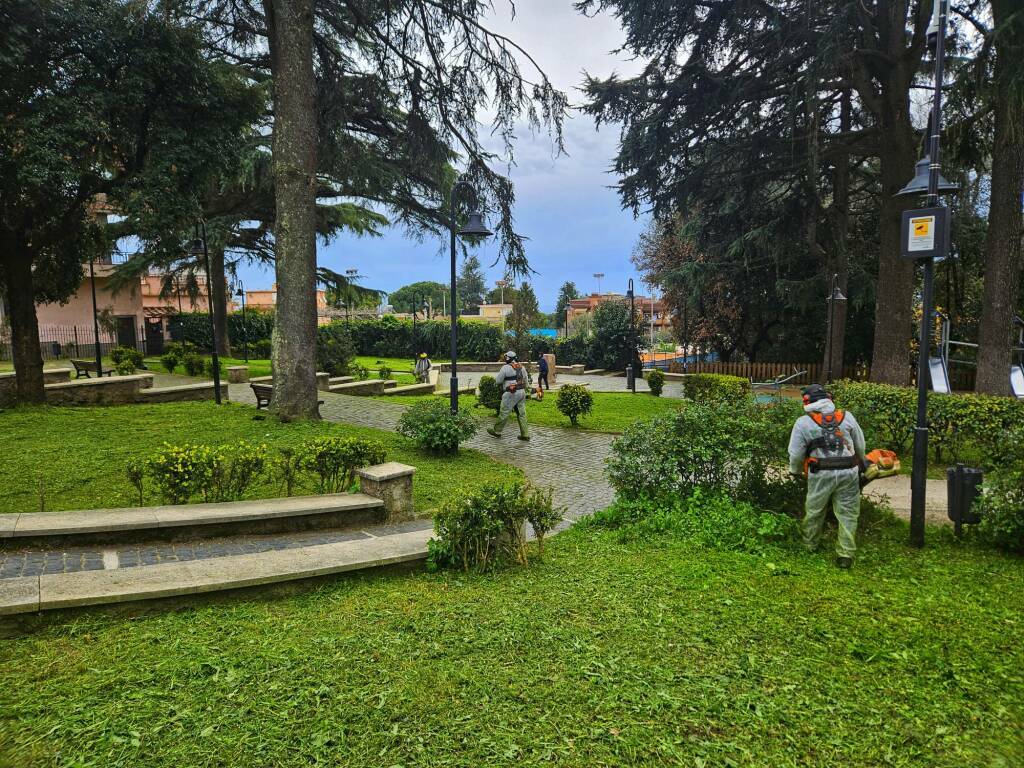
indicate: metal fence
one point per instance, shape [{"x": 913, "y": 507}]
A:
[
  {"x": 62, "y": 342},
  {"x": 769, "y": 371}
]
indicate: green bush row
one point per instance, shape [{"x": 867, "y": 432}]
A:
[
  {"x": 715, "y": 387},
  {"x": 734, "y": 447},
  {"x": 257, "y": 326},
  {"x": 193, "y": 472},
  {"x": 1002, "y": 500},
  {"x": 888, "y": 414}
]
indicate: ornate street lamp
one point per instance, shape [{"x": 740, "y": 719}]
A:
[
  {"x": 598, "y": 276},
  {"x": 473, "y": 228},
  {"x": 927, "y": 244},
  {"x": 245, "y": 328},
  {"x": 199, "y": 248},
  {"x": 834, "y": 296}
]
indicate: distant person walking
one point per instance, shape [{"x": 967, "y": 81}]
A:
[
  {"x": 422, "y": 369},
  {"x": 542, "y": 373},
  {"x": 514, "y": 382}
]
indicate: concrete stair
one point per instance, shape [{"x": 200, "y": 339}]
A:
[
  {"x": 31, "y": 594},
  {"x": 176, "y": 522},
  {"x": 341, "y": 379},
  {"x": 412, "y": 389}
]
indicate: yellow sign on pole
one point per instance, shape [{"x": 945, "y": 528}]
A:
[{"x": 922, "y": 234}]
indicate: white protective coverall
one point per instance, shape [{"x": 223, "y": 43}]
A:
[
  {"x": 841, "y": 487},
  {"x": 513, "y": 401}
]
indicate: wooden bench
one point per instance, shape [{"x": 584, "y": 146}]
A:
[
  {"x": 264, "y": 394},
  {"x": 85, "y": 367}
]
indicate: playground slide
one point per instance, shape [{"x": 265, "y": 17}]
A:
[
  {"x": 939, "y": 375},
  {"x": 1017, "y": 381}
]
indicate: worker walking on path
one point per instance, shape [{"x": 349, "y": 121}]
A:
[
  {"x": 514, "y": 381},
  {"x": 827, "y": 445}
]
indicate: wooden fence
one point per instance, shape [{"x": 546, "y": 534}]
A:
[{"x": 758, "y": 372}]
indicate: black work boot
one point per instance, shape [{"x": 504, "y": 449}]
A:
[{"x": 844, "y": 563}]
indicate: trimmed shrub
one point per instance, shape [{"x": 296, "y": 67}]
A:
[
  {"x": 125, "y": 368},
  {"x": 128, "y": 356},
  {"x": 334, "y": 460},
  {"x": 195, "y": 365},
  {"x": 208, "y": 367},
  {"x": 655, "y": 381},
  {"x": 1002, "y": 500},
  {"x": 384, "y": 373},
  {"x": 180, "y": 472},
  {"x": 432, "y": 426},
  {"x": 716, "y": 387},
  {"x": 224, "y": 473},
  {"x": 489, "y": 393},
  {"x": 360, "y": 371},
  {"x": 195, "y": 327},
  {"x": 481, "y": 530},
  {"x": 135, "y": 471},
  {"x": 335, "y": 349},
  {"x": 170, "y": 362},
  {"x": 261, "y": 349},
  {"x": 574, "y": 400},
  {"x": 735, "y": 447},
  {"x": 541, "y": 513},
  {"x": 287, "y": 465}
]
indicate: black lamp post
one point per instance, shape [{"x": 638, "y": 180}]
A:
[
  {"x": 631, "y": 341},
  {"x": 935, "y": 184},
  {"x": 474, "y": 227},
  {"x": 95, "y": 321},
  {"x": 245, "y": 327},
  {"x": 199, "y": 248},
  {"x": 834, "y": 296}
]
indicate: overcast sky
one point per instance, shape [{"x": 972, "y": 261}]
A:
[{"x": 565, "y": 205}]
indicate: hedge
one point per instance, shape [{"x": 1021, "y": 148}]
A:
[
  {"x": 195, "y": 327},
  {"x": 715, "y": 387},
  {"x": 888, "y": 414}
]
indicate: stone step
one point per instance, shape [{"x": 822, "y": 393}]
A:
[
  {"x": 341, "y": 379},
  {"x": 413, "y": 389},
  {"x": 181, "y": 521},
  {"x": 30, "y": 594},
  {"x": 366, "y": 387}
]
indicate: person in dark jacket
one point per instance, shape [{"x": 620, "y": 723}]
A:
[{"x": 542, "y": 373}]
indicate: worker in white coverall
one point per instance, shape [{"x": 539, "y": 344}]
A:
[
  {"x": 514, "y": 381},
  {"x": 827, "y": 445}
]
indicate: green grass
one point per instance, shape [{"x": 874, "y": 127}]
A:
[
  {"x": 609, "y": 653},
  {"x": 613, "y": 411},
  {"x": 79, "y": 454}
]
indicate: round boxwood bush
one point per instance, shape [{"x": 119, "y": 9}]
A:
[
  {"x": 490, "y": 393},
  {"x": 655, "y": 381},
  {"x": 575, "y": 400},
  {"x": 432, "y": 425}
]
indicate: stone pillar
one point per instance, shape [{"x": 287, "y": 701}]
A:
[
  {"x": 552, "y": 373},
  {"x": 392, "y": 483},
  {"x": 323, "y": 381},
  {"x": 238, "y": 374}
]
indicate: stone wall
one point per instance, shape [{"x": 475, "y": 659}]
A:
[
  {"x": 110, "y": 390},
  {"x": 8, "y": 383},
  {"x": 186, "y": 392}
]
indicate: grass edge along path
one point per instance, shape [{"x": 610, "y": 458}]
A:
[
  {"x": 75, "y": 457},
  {"x": 613, "y": 651}
]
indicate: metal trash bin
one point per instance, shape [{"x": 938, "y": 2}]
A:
[
  {"x": 630, "y": 378},
  {"x": 963, "y": 487}
]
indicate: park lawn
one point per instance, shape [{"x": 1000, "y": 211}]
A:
[
  {"x": 77, "y": 456},
  {"x": 610, "y": 652},
  {"x": 613, "y": 411}
]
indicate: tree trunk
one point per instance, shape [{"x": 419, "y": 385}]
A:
[
  {"x": 16, "y": 263},
  {"x": 894, "y": 317},
  {"x": 1003, "y": 239},
  {"x": 290, "y": 32},
  {"x": 219, "y": 291}
]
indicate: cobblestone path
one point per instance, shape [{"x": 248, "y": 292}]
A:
[{"x": 572, "y": 463}]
